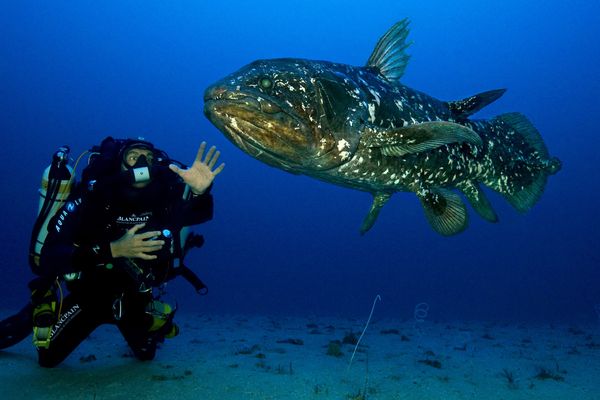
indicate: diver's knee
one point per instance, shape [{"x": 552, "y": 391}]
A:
[
  {"x": 48, "y": 362},
  {"x": 145, "y": 354}
]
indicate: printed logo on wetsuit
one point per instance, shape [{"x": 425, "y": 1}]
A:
[
  {"x": 133, "y": 219},
  {"x": 64, "y": 320}
]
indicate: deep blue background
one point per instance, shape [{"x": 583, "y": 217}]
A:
[{"x": 73, "y": 72}]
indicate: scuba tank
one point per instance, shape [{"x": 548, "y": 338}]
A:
[
  {"x": 57, "y": 181},
  {"x": 55, "y": 189}
]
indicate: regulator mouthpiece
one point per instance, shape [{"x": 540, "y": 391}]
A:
[{"x": 141, "y": 170}]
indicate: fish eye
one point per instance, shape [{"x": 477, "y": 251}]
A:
[{"x": 265, "y": 83}]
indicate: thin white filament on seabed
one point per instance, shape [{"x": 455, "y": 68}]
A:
[{"x": 378, "y": 297}]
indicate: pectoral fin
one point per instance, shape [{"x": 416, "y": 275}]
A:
[
  {"x": 379, "y": 200},
  {"x": 444, "y": 210},
  {"x": 418, "y": 137}
]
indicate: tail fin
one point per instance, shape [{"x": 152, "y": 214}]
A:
[{"x": 529, "y": 164}]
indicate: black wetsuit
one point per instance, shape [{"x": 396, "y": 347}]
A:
[{"x": 106, "y": 291}]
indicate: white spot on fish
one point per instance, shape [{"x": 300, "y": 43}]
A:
[
  {"x": 342, "y": 144},
  {"x": 371, "y": 112},
  {"x": 376, "y": 96}
]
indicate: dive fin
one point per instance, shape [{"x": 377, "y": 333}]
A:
[
  {"x": 444, "y": 210},
  {"x": 17, "y": 327},
  {"x": 463, "y": 109},
  {"x": 389, "y": 57},
  {"x": 478, "y": 201},
  {"x": 379, "y": 200},
  {"x": 418, "y": 137}
]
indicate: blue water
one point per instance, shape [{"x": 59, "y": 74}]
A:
[{"x": 74, "y": 72}]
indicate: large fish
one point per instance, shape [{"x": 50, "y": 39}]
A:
[{"x": 359, "y": 127}]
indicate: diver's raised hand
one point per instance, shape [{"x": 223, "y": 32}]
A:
[
  {"x": 202, "y": 173},
  {"x": 137, "y": 245}
]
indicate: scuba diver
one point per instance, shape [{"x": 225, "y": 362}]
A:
[{"x": 115, "y": 241}]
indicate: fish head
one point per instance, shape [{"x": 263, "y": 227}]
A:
[{"x": 289, "y": 113}]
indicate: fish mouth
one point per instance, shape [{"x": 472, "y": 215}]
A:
[{"x": 259, "y": 126}]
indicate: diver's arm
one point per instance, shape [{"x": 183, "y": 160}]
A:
[
  {"x": 62, "y": 253},
  {"x": 199, "y": 177},
  {"x": 186, "y": 212},
  {"x": 198, "y": 209},
  {"x": 137, "y": 245}
]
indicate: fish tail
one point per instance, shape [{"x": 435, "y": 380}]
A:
[{"x": 522, "y": 160}]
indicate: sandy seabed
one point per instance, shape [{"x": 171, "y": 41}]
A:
[{"x": 259, "y": 357}]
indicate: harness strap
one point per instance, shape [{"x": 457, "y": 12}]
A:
[{"x": 189, "y": 276}]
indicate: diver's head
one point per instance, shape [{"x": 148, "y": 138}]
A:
[{"x": 137, "y": 156}]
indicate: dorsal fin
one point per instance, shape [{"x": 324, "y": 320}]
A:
[
  {"x": 464, "y": 108},
  {"x": 389, "y": 57}
]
